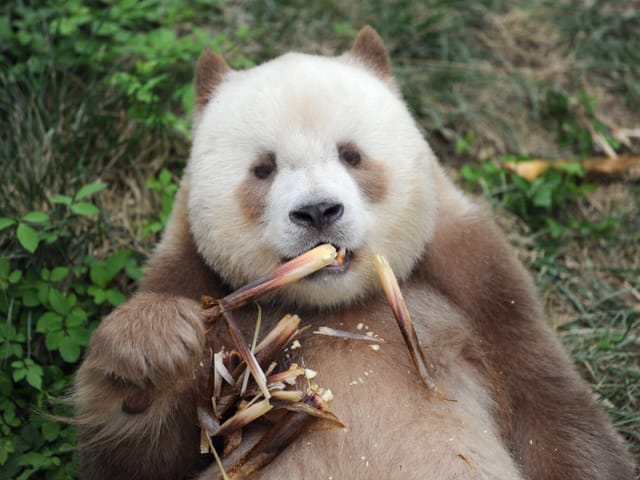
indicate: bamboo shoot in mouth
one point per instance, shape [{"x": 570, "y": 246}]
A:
[{"x": 287, "y": 273}]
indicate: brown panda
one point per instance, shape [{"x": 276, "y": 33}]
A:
[{"x": 305, "y": 150}]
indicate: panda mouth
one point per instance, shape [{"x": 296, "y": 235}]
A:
[{"x": 340, "y": 264}]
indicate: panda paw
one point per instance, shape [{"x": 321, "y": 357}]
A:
[{"x": 150, "y": 341}]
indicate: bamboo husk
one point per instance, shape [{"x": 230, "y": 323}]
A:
[
  {"x": 401, "y": 314},
  {"x": 277, "y": 438}
]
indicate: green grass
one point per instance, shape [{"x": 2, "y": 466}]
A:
[
  {"x": 604, "y": 36},
  {"x": 589, "y": 284},
  {"x": 93, "y": 93}
]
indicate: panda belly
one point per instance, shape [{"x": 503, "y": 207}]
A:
[{"x": 396, "y": 429}]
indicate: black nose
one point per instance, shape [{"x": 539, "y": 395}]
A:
[{"x": 318, "y": 215}]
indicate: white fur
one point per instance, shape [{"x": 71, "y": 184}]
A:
[{"x": 300, "y": 107}]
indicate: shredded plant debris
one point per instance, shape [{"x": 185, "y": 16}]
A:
[
  {"x": 236, "y": 402},
  {"x": 332, "y": 332}
]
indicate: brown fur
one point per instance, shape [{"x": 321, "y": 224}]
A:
[
  {"x": 150, "y": 346},
  {"x": 395, "y": 429},
  {"x": 369, "y": 48},
  {"x": 176, "y": 268},
  {"x": 547, "y": 416},
  {"x": 252, "y": 192},
  {"x": 520, "y": 410},
  {"x": 370, "y": 175},
  {"x": 476, "y": 313},
  {"x": 210, "y": 71}
]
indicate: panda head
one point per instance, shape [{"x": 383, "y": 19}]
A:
[{"x": 304, "y": 150}]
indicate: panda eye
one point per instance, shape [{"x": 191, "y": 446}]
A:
[
  {"x": 266, "y": 165},
  {"x": 349, "y": 154},
  {"x": 263, "y": 171}
]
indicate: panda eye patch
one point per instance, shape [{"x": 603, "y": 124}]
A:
[
  {"x": 265, "y": 166},
  {"x": 349, "y": 154}
]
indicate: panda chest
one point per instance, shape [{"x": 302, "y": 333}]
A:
[{"x": 394, "y": 426}]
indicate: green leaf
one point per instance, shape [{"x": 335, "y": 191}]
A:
[
  {"x": 188, "y": 99},
  {"x": 43, "y": 292},
  {"x": 9, "y": 410},
  {"x": 6, "y": 447},
  {"x": 5, "y": 266},
  {"x": 26, "y": 474},
  {"x": 76, "y": 318},
  {"x": 53, "y": 339},
  {"x": 28, "y": 237},
  {"x": 69, "y": 350},
  {"x": 116, "y": 262},
  {"x": 79, "y": 312},
  {"x": 49, "y": 322},
  {"x": 555, "y": 229},
  {"x": 99, "y": 275},
  {"x": 15, "y": 276},
  {"x": 470, "y": 173},
  {"x": 36, "y": 217},
  {"x": 50, "y": 430},
  {"x": 541, "y": 193},
  {"x": 134, "y": 271},
  {"x": 572, "y": 168},
  {"x": 81, "y": 336},
  {"x": 59, "y": 273},
  {"x": 30, "y": 298},
  {"x": 59, "y": 302},
  {"x": 15, "y": 350},
  {"x": 36, "y": 459},
  {"x": 98, "y": 294},
  {"x": 90, "y": 189},
  {"x": 34, "y": 376},
  {"x": 115, "y": 297},
  {"x": 6, "y": 222},
  {"x": 61, "y": 199},
  {"x": 165, "y": 176},
  {"x": 85, "y": 209},
  {"x": 49, "y": 237},
  {"x": 19, "y": 371}
]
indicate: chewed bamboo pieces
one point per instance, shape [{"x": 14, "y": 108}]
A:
[
  {"x": 332, "y": 332},
  {"x": 280, "y": 435},
  {"x": 234, "y": 403},
  {"x": 289, "y": 272},
  {"x": 299, "y": 409},
  {"x": 237, "y": 403}
]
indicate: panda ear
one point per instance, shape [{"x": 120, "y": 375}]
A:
[
  {"x": 369, "y": 49},
  {"x": 210, "y": 71}
]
